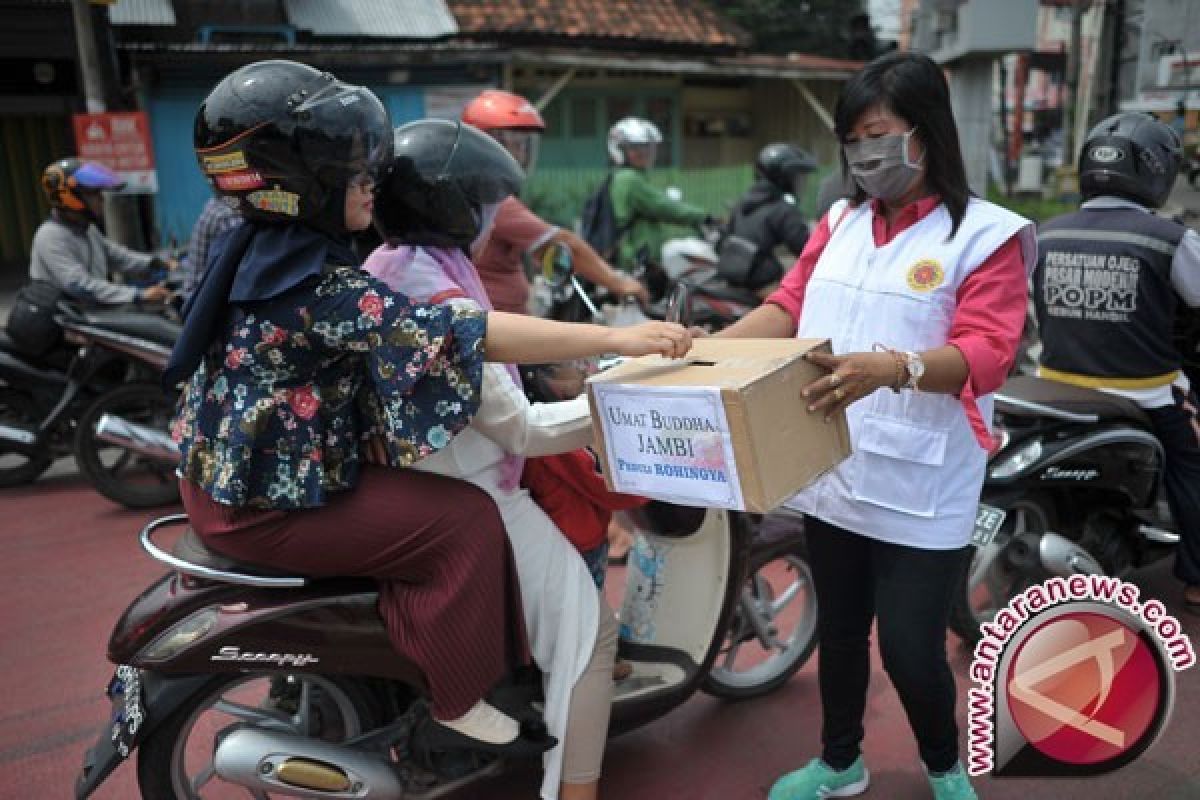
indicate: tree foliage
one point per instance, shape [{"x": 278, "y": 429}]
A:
[{"x": 819, "y": 27}]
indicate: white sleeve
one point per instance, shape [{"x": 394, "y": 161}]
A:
[
  {"x": 1185, "y": 269},
  {"x": 540, "y": 429},
  {"x": 522, "y": 428}
]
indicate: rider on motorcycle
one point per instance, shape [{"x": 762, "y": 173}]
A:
[
  {"x": 69, "y": 251},
  {"x": 1107, "y": 286},
  {"x": 767, "y": 215},
  {"x": 642, "y": 210},
  {"x": 513, "y": 121}
]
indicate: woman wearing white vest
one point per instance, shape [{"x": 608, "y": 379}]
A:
[{"x": 922, "y": 290}]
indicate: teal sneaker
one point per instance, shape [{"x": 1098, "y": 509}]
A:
[
  {"x": 818, "y": 780},
  {"x": 952, "y": 785}
]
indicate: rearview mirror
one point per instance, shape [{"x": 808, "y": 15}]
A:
[
  {"x": 679, "y": 305},
  {"x": 557, "y": 265}
]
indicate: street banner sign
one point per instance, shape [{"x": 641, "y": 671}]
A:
[{"x": 121, "y": 142}]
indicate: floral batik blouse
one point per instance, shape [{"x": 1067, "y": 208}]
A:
[{"x": 273, "y": 417}]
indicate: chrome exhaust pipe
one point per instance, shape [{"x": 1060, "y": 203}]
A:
[
  {"x": 140, "y": 439},
  {"x": 286, "y": 763},
  {"x": 20, "y": 437},
  {"x": 1158, "y": 535},
  {"x": 1060, "y": 556}
]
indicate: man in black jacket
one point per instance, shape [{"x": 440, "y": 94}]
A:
[
  {"x": 1107, "y": 288},
  {"x": 767, "y": 215}
]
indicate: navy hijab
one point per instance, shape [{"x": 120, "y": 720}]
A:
[{"x": 249, "y": 264}]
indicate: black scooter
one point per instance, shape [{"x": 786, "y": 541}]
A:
[
  {"x": 94, "y": 395},
  {"x": 1075, "y": 487}
]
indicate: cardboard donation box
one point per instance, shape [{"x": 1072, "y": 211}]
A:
[{"x": 723, "y": 427}]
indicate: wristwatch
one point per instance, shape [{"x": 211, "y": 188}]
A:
[{"x": 915, "y": 367}]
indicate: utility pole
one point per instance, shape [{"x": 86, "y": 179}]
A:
[
  {"x": 120, "y": 211},
  {"x": 1074, "y": 58}
]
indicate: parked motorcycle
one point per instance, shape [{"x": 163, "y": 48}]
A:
[{"x": 95, "y": 396}]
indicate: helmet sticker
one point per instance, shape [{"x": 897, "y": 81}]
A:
[
  {"x": 276, "y": 201},
  {"x": 224, "y": 162},
  {"x": 238, "y": 181},
  {"x": 1107, "y": 154}
]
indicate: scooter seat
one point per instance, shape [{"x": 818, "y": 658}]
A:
[
  {"x": 1027, "y": 395},
  {"x": 151, "y": 327},
  {"x": 191, "y": 548}
]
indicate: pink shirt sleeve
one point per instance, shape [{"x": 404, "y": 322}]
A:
[
  {"x": 987, "y": 325},
  {"x": 790, "y": 294}
]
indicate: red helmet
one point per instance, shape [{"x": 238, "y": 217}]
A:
[{"x": 496, "y": 109}]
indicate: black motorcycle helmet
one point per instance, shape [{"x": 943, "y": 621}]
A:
[
  {"x": 782, "y": 164},
  {"x": 1131, "y": 155},
  {"x": 442, "y": 174},
  {"x": 284, "y": 140}
]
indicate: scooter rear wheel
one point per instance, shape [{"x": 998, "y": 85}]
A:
[
  {"x": 176, "y": 761},
  {"x": 133, "y": 480},
  {"x": 16, "y": 468}
]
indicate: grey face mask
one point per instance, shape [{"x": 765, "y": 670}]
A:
[{"x": 881, "y": 166}]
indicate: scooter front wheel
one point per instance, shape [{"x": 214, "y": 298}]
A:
[
  {"x": 120, "y": 473},
  {"x": 177, "y": 761},
  {"x": 774, "y": 628}
]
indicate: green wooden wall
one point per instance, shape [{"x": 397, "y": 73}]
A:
[{"x": 28, "y": 143}]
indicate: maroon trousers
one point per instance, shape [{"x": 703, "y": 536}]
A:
[{"x": 448, "y": 589}]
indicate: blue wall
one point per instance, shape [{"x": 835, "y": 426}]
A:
[{"x": 182, "y": 190}]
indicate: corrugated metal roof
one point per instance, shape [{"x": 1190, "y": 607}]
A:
[
  {"x": 409, "y": 19},
  {"x": 142, "y": 12}
]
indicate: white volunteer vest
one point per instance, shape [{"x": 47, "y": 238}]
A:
[{"x": 916, "y": 469}]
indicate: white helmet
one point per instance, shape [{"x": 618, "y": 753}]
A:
[{"x": 631, "y": 131}]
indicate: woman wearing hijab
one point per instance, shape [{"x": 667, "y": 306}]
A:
[{"x": 282, "y": 337}]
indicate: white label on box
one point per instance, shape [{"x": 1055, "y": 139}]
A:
[{"x": 671, "y": 443}]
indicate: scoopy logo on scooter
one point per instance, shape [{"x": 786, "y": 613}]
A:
[{"x": 282, "y": 659}]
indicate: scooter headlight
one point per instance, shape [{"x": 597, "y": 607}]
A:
[
  {"x": 1017, "y": 461},
  {"x": 180, "y": 635}
]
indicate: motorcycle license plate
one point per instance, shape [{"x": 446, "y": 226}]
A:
[
  {"x": 128, "y": 709},
  {"x": 988, "y": 520}
]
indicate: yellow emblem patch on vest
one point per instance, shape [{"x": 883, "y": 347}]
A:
[{"x": 925, "y": 275}]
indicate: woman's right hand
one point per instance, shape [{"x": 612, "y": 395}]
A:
[{"x": 665, "y": 338}]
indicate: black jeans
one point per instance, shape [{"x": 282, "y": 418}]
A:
[
  {"x": 858, "y": 579},
  {"x": 1178, "y": 429}
]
